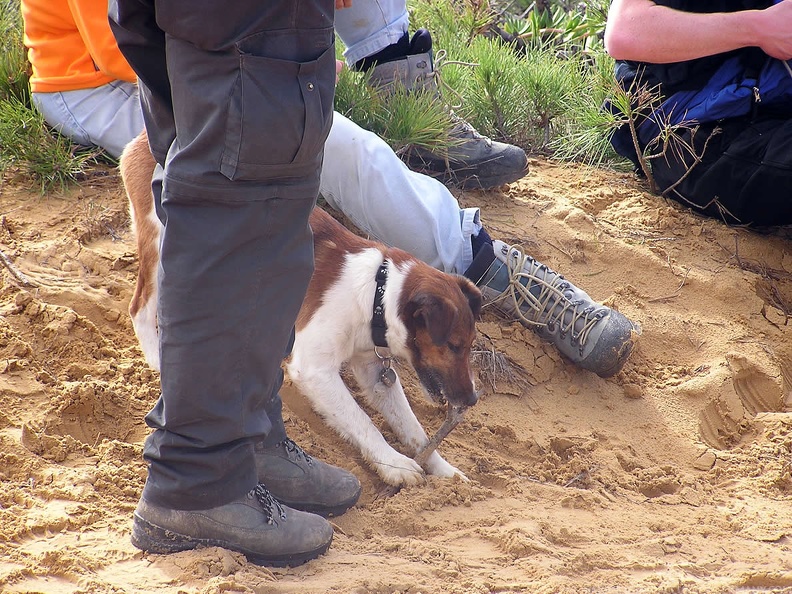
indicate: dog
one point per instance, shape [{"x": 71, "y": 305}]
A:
[{"x": 419, "y": 314}]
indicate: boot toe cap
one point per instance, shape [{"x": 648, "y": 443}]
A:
[{"x": 613, "y": 347}]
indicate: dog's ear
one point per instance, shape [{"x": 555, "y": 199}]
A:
[
  {"x": 436, "y": 313},
  {"x": 473, "y": 295}
]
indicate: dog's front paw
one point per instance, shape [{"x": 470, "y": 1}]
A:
[
  {"x": 399, "y": 470},
  {"x": 436, "y": 465}
]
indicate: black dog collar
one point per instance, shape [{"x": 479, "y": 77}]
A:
[{"x": 378, "y": 325}]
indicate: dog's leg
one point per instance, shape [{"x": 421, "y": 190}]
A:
[
  {"x": 392, "y": 403},
  {"x": 330, "y": 398},
  {"x": 137, "y": 167},
  {"x": 143, "y": 307}
]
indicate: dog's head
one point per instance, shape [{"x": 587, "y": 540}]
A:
[{"x": 440, "y": 311}]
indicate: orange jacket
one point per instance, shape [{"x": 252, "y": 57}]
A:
[{"x": 70, "y": 45}]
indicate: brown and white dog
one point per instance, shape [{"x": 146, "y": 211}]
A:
[{"x": 429, "y": 321}]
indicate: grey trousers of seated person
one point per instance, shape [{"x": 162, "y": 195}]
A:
[{"x": 249, "y": 88}]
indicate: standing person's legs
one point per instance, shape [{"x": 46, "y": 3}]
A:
[
  {"x": 225, "y": 269},
  {"x": 363, "y": 178},
  {"x": 108, "y": 116},
  {"x": 236, "y": 258}
]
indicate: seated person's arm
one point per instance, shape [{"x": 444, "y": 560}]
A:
[
  {"x": 92, "y": 22},
  {"x": 643, "y": 31}
]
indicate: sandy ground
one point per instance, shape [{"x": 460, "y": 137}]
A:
[{"x": 673, "y": 476}]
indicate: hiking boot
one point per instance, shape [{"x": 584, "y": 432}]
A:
[
  {"x": 472, "y": 161},
  {"x": 256, "y": 525},
  {"x": 303, "y": 482},
  {"x": 593, "y": 336}
]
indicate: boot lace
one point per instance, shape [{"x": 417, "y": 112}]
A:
[
  {"x": 550, "y": 308},
  {"x": 293, "y": 449},
  {"x": 269, "y": 505},
  {"x": 440, "y": 61},
  {"x": 462, "y": 131}
]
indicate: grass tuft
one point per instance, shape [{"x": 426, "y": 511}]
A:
[
  {"x": 14, "y": 67},
  {"x": 28, "y": 146}
]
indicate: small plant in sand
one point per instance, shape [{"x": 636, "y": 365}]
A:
[
  {"x": 682, "y": 142},
  {"x": 28, "y": 147}
]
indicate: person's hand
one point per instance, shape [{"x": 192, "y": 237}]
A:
[
  {"x": 776, "y": 30},
  {"x": 339, "y": 4},
  {"x": 339, "y": 68}
]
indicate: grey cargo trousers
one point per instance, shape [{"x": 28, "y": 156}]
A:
[{"x": 238, "y": 100}]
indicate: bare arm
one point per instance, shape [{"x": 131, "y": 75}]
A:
[{"x": 647, "y": 32}]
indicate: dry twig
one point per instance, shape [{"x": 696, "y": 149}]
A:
[
  {"x": 454, "y": 416},
  {"x": 18, "y": 276},
  {"x": 494, "y": 366},
  {"x": 675, "y": 293},
  {"x": 770, "y": 292}
]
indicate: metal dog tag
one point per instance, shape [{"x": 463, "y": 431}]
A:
[{"x": 388, "y": 376}]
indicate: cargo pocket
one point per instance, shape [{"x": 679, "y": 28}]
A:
[{"x": 279, "y": 115}]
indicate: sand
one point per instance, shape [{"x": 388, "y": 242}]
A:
[{"x": 673, "y": 476}]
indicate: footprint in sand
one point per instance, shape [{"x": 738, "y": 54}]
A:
[{"x": 752, "y": 390}]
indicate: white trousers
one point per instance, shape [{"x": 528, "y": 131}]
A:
[
  {"x": 364, "y": 179},
  {"x": 368, "y": 26},
  {"x": 108, "y": 116}
]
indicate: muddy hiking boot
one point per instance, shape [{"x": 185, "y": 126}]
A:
[
  {"x": 256, "y": 525},
  {"x": 472, "y": 161},
  {"x": 593, "y": 336},
  {"x": 303, "y": 482}
]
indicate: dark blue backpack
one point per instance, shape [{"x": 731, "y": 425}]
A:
[
  {"x": 731, "y": 155},
  {"x": 736, "y": 89}
]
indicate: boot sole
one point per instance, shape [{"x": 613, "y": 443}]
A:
[
  {"x": 323, "y": 510},
  {"x": 155, "y": 539},
  {"x": 486, "y": 183},
  {"x": 459, "y": 179}
]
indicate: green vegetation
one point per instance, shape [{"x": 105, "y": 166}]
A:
[
  {"x": 533, "y": 74},
  {"x": 535, "y": 77},
  {"x": 34, "y": 151},
  {"x": 27, "y": 146},
  {"x": 14, "y": 71}
]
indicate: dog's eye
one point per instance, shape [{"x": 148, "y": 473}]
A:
[{"x": 454, "y": 348}]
